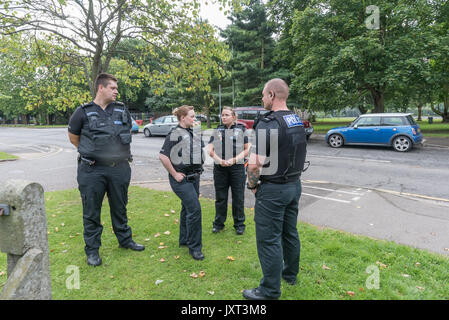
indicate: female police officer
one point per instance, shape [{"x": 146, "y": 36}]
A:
[
  {"x": 229, "y": 142},
  {"x": 182, "y": 157}
]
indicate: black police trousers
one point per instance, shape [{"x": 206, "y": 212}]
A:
[
  {"x": 225, "y": 177},
  {"x": 278, "y": 245},
  {"x": 190, "y": 228},
  {"x": 93, "y": 183}
]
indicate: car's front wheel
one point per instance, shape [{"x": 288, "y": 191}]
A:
[
  {"x": 147, "y": 132},
  {"x": 402, "y": 144},
  {"x": 335, "y": 140}
]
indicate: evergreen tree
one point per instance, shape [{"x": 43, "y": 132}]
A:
[{"x": 250, "y": 38}]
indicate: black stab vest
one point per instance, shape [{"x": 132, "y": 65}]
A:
[
  {"x": 106, "y": 137},
  {"x": 292, "y": 147},
  {"x": 186, "y": 138}
]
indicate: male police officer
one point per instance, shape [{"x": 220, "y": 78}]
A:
[
  {"x": 101, "y": 130},
  {"x": 277, "y": 192}
]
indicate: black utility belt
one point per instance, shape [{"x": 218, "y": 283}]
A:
[
  {"x": 192, "y": 175},
  {"x": 283, "y": 181},
  {"x": 92, "y": 162}
]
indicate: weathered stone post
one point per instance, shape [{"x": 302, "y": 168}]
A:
[{"x": 23, "y": 235}]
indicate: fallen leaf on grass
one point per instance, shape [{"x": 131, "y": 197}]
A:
[
  {"x": 211, "y": 292},
  {"x": 2, "y": 273},
  {"x": 176, "y": 221},
  {"x": 162, "y": 260},
  {"x": 202, "y": 273},
  {"x": 381, "y": 265},
  {"x": 157, "y": 235},
  {"x": 159, "y": 282},
  {"x": 350, "y": 293},
  {"x": 193, "y": 275},
  {"x": 176, "y": 257},
  {"x": 419, "y": 288},
  {"x": 147, "y": 239},
  {"x": 405, "y": 275},
  {"x": 166, "y": 215},
  {"x": 230, "y": 258},
  {"x": 167, "y": 233},
  {"x": 172, "y": 211},
  {"x": 162, "y": 247},
  {"x": 324, "y": 267},
  {"x": 57, "y": 229}
]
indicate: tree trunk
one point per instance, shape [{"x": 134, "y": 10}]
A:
[
  {"x": 445, "y": 114},
  {"x": 419, "y": 111},
  {"x": 378, "y": 99}
]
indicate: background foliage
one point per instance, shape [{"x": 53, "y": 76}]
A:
[{"x": 165, "y": 55}]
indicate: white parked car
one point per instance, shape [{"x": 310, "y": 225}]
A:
[{"x": 160, "y": 126}]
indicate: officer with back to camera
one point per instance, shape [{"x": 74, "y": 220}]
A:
[
  {"x": 101, "y": 130},
  {"x": 274, "y": 177}
]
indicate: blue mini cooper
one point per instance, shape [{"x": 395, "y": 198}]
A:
[{"x": 398, "y": 130}]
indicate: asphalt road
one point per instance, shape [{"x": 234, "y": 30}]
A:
[{"x": 373, "y": 191}]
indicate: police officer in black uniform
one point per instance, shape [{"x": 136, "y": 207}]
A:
[
  {"x": 274, "y": 177},
  {"x": 101, "y": 130},
  {"x": 182, "y": 156},
  {"x": 229, "y": 147}
]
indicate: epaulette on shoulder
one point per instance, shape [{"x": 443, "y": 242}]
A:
[
  {"x": 87, "y": 105},
  {"x": 268, "y": 117},
  {"x": 118, "y": 103}
]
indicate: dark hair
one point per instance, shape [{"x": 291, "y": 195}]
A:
[
  {"x": 182, "y": 111},
  {"x": 104, "y": 79}
]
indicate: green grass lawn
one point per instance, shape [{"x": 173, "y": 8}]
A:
[
  {"x": 333, "y": 263},
  {"x": 7, "y": 156}
]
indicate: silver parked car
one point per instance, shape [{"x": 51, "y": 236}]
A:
[{"x": 161, "y": 126}]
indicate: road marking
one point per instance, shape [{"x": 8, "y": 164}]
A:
[
  {"x": 334, "y": 190},
  {"x": 398, "y": 193},
  {"x": 348, "y": 158},
  {"x": 325, "y": 198}
]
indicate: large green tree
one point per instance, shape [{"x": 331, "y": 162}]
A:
[
  {"x": 94, "y": 28},
  {"x": 85, "y": 37},
  {"x": 249, "y": 37},
  {"x": 348, "y": 50}
]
